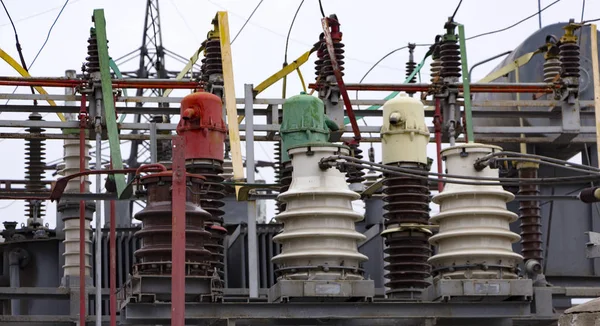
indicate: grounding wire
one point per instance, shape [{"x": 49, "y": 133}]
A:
[
  {"x": 590, "y": 20},
  {"x": 515, "y": 24},
  {"x": 247, "y": 20},
  {"x": 428, "y": 173}
]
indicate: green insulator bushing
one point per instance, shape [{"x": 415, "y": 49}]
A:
[{"x": 304, "y": 122}]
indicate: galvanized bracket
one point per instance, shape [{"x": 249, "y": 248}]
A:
[
  {"x": 108, "y": 100},
  {"x": 593, "y": 246}
]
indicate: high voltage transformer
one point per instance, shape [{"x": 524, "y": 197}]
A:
[{"x": 508, "y": 245}]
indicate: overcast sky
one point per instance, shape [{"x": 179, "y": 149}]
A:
[{"x": 371, "y": 29}]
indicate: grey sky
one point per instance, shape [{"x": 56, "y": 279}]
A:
[{"x": 371, "y": 29}]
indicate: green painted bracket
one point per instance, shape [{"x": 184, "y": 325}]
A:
[
  {"x": 393, "y": 94},
  {"x": 466, "y": 84},
  {"x": 117, "y": 72},
  {"x": 107, "y": 99}
]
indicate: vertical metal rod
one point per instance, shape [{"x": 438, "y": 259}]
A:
[
  {"x": 82, "y": 222},
  {"x": 596, "y": 78},
  {"x": 178, "y": 242},
  {"x": 14, "y": 275},
  {"x": 153, "y": 146},
  {"x": 438, "y": 141},
  {"x": 252, "y": 241},
  {"x": 98, "y": 225},
  {"x": 112, "y": 238},
  {"x": 522, "y": 145}
]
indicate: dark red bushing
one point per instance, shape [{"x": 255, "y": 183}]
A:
[{"x": 202, "y": 126}]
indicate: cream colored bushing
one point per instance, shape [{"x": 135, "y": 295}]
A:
[{"x": 404, "y": 134}]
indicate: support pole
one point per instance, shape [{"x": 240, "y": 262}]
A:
[
  {"x": 466, "y": 83},
  {"x": 229, "y": 97},
  {"x": 252, "y": 240},
  {"x": 98, "y": 224},
  {"x": 596, "y": 77},
  {"x": 112, "y": 238},
  {"x": 82, "y": 222},
  {"x": 178, "y": 234}
]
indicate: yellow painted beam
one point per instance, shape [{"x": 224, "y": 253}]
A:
[
  {"x": 16, "y": 66},
  {"x": 596, "y": 78},
  {"x": 229, "y": 97},
  {"x": 188, "y": 67},
  {"x": 521, "y": 61},
  {"x": 282, "y": 73}
]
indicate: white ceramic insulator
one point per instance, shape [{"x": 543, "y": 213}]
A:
[
  {"x": 227, "y": 169},
  {"x": 71, "y": 164},
  {"x": 71, "y": 242},
  {"x": 71, "y": 226},
  {"x": 473, "y": 221},
  {"x": 319, "y": 228}
]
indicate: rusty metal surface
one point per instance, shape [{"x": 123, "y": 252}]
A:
[
  {"x": 212, "y": 202},
  {"x": 154, "y": 255}
]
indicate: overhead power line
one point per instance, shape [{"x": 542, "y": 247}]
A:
[
  {"x": 247, "y": 20},
  {"x": 515, "y": 24}
]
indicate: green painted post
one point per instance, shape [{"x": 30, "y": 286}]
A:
[
  {"x": 107, "y": 99},
  {"x": 466, "y": 83}
]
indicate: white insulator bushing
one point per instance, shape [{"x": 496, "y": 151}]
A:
[
  {"x": 474, "y": 239},
  {"x": 404, "y": 134},
  {"x": 227, "y": 169},
  {"x": 319, "y": 240},
  {"x": 71, "y": 242},
  {"x": 72, "y": 164},
  {"x": 71, "y": 225}
]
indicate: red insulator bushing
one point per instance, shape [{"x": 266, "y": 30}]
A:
[{"x": 202, "y": 126}]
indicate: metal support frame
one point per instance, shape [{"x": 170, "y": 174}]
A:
[
  {"x": 250, "y": 165},
  {"x": 178, "y": 246}
]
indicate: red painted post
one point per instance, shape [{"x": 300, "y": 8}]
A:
[
  {"x": 178, "y": 241},
  {"x": 82, "y": 294}
]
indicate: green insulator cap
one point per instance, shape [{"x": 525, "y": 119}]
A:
[{"x": 304, "y": 122}]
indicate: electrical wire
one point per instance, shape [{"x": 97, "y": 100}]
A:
[
  {"x": 8, "y": 205},
  {"x": 287, "y": 39},
  {"x": 538, "y": 157},
  {"x": 321, "y": 8},
  {"x": 454, "y": 176},
  {"x": 39, "y": 14},
  {"x": 590, "y": 21},
  {"x": 19, "y": 49},
  {"x": 456, "y": 10},
  {"x": 247, "y": 20},
  {"x": 540, "y": 12},
  {"x": 190, "y": 29},
  {"x": 515, "y": 24},
  {"x": 582, "y": 10},
  {"x": 49, "y": 32},
  {"x": 490, "y": 182},
  {"x": 556, "y": 165}
]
